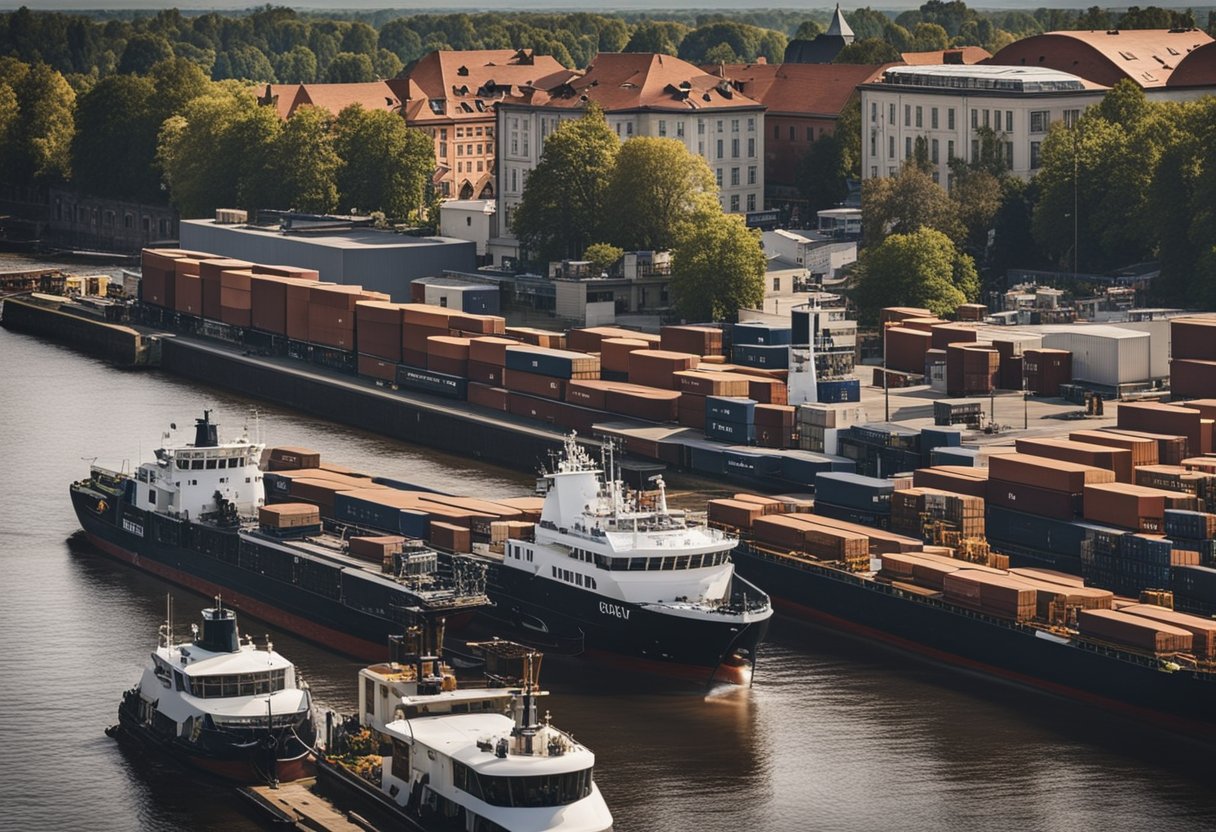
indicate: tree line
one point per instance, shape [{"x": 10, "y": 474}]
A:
[
  {"x": 174, "y": 133},
  {"x": 275, "y": 44},
  {"x": 592, "y": 196}
]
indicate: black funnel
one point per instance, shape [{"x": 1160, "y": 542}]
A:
[
  {"x": 219, "y": 631},
  {"x": 206, "y": 435}
]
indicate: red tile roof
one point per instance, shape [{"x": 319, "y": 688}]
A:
[
  {"x": 286, "y": 98},
  {"x": 968, "y": 55},
  {"x": 801, "y": 89},
  {"x": 1147, "y": 56},
  {"x": 621, "y": 81},
  {"x": 455, "y": 85}
]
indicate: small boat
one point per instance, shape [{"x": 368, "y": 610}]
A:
[
  {"x": 428, "y": 752},
  {"x": 222, "y": 704}
]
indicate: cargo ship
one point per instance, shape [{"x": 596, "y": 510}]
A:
[
  {"x": 1033, "y": 627},
  {"x": 221, "y": 704},
  {"x": 196, "y": 517}
]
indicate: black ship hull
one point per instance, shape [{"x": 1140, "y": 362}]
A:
[
  {"x": 323, "y": 604},
  {"x": 695, "y": 649},
  {"x": 1141, "y": 687},
  {"x": 252, "y": 757}
]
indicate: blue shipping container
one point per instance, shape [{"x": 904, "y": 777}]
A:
[
  {"x": 1193, "y": 524},
  {"x": 725, "y": 431},
  {"x": 402, "y": 485},
  {"x": 753, "y": 334},
  {"x": 480, "y": 300},
  {"x": 800, "y": 327},
  {"x": 276, "y": 483},
  {"x": 802, "y": 466},
  {"x": 940, "y": 438},
  {"x": 403, "y": 521},
  {"x": 706, "y": 460},
  {"x": 760, "y": 355},
  {"x": 731, "y": 409},
  {"x": 425, "y": 381},
  {"x": 952, "y": 456},
  {"x": 852, "y": 515},
  {"x": 753, "y": 463},
  {"x": 854, "y": 491},
  {"x": 543, "y": 361},
  {"x": 842, "y": 390}
]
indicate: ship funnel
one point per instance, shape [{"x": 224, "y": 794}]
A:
[
  {"x": 219, "y": 631},
  {"x": 206, "y": 434}
]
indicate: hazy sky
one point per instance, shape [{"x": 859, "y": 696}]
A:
[{"x": 546, "y": 5}]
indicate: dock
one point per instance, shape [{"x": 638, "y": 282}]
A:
[{"x": 296, "y": 805}]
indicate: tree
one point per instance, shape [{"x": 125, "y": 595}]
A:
[
  {"x": 717, "y": 268},
  {"x": 397, "y": 37},
  {"x": 299, "y": 66},
  {"x": 655, "y": 188},
  {"x": 821, "y": 174},
  {"x": 904, "y": 203},
  {"x": 114, "y": 148},
  {"x": 929, "y": 37},
  {"x": 244, "y": 63},
  {"x": 603, "y": 256},
  {"x": 386, "y": 64},
  {"x": 216, "y": 153},
  {"x": 563, "y": 207},
  {"x": 142, "y": 51},
  {"x": 808, "y": 30},
  {"x": 40, "y": 147},
  {"x": 921, "y": 269},
  {"x": 867, "y": 24},
  {"x": 869, "y": 51},
  {"x": 350, "y": 68},
  {"x": 304, "y": 165},
  {"x": 651, "y": 36},
  {"x": 385, "y": 165},
  {"x": 978, "y": 196}
]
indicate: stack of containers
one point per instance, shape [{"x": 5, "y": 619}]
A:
[
  {"x": 487, "y": 359},
  {"x": 158, "y": 274},
  {"x": 236, "y": 298},
  {"x": 1129, "y": 506},
  {"x": 761, "y": 345},
  {"x": 881, "y": 448},
  {"x": 293, "y": 272},
  {"x": 539, "y": 337},
  {"x": 971, "y": 311},
  {"x": 906, "y": 348},
  {"x": 640, "y": 402},
  {"x": 614, "y": 356},
  {"x": 854, "y": 498},
  {"x": 419, "y": 322},
  {"x": 1117, "y": 460},
  {"x": 1002, "y": 596},
  {"x": 658, "y": 368},
  {"x": 730, "y": 419},
  {"x": 946, "y": 334},
  {"x": 268, "y": 296},
  {"x": 448, "y": 354},
  {"x": 1202, "y": 630},
  {"x": 1168, "y": 419},
  {"x": 543, "y": 372},
  {"x": 1195, "y": 589},
  {"x": 1142, "y": 449},
  {"x": 1193, "y": 356},
  {"x": 911, "y": 507},
  {"x": 775, "y": 425},
  {"x": 1171, "y": 450},
  {"x": 936, "y": 439},
  {"x": 1193, "y": 531},
  {"x": 695, "y": 385},
  {"x": 588, "y": 339},
  {"x": 1042, "y": 487},
  {"x": 331, "y": 315},
  {"x": 971, "y": 368},
  {"x": 298, "y": 297},
  {"x": 958, "y": 479},
  {"x": 209, "y": 272},
  {"x": 187, "y": 291},
  {"x": 378, "y": 328},
  {"x": 1046, "y": 369},
  {"x": 698, "y": 340},
  {"x": 819, "y": 425},
  {"x": 1134, "y": 631}
]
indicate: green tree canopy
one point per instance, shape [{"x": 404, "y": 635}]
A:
[
  {"x": 142, "y": 52},
  {"x": 603, "y": 256},
  {"x": 299, "y": 66},
  {"x": 114, "y": 147},
  {"x": 384, "y": 164},
  {"x": 651, "y": 36},
  {"x": 868, "y": 51},
  {"x": 40, "y": 144},
  {"x": 921, "y": 268},
  {"x": 350, "y": 68},
  {"x": 656, "y": 186},
  {"x": 563, "y": 207},
  {"x": 717, "y": 268},
  {"x": 904, "y": 203},
  {"x": 808, "y": 30},
  {"x": 304, "y": 164},
  {"x": 822, "y": 174}
]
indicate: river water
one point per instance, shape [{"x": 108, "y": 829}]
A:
[{"x": 835, "y": 734}]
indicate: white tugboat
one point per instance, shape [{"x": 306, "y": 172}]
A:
[
  {"x": 630, "y": 578},
  {"x": 222, "y": 704},
  {"x": 471, "y": 758}
]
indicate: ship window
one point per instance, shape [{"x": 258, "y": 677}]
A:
[
  {"x": 369, "y": 695},
  {"x": 196, "y": 465},
  {"x": 401, "y": 760},
  {"x": 183, "y": 465},
  {"x": 179, "y": 680},
  {"x": 682, "y": 561},
  {"x": 151, "y": 496},
  {"x": 523, "y": 792},
  {"x": 578, "y": 579},
  {"x": 554, "y": 568},
  {"x": 695, "y": 561},
  {"x": 637, "y": 564},
  {"x": 211, "y": 464}
]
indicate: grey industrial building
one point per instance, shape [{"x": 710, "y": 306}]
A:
[{"x": 382, "y": 261}]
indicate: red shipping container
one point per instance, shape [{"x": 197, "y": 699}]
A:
[
  {"x": 448, "y": 346},
  {"x": 1045, "y": 370},
  {"x": 538, "y": 337},
  {"x": 642, "y": 403},
  {"x": 1193, "y": 337},
  {"x": 294, "y": 272},
  {"x": 531, "y": 407},
  {"x": 588, "y": 393},
  {"x": 1143, "y": 451},
  {"x": 901, "y": 313},
  {"x": 1191, "y": 377},
  {"x": 490, "y": 350},
  {"x": 298, "y": 294},
  {"x": 775, "y": 415},
  {"x": 1167, "y": 419},
  {"x": 448, "y": 366},
  {"x": 534, "y": 384},
  {"x": 906, "y": 348},
  {"x": 188, "y": 294},
  {"x": 485, "y": 373},
  {"x": 376, "y": 367},
  {"x": 336, "y": 295},
  {"x": 378, "y": 329},
  {"x": 698, "y": 340},
  {"x": 1127, "y": 506},
  {"x": 691, "y": 412},
  {"x": 713, "y": 383},
  {"x": 588, "y": 339},
  {"x": 657, "y": 368},
  {"x": 414, "y": 337},
  {"x": 946, "y": 334},
  {"x": 484, "y": 395},
  {"x": 1053, "y": 475},
  {"x": 1030, "y": 499},
  {"x": 431, "y": 317},
  {"x": 955, "y": 478},
  {"x": 1100, "y": 456},
  {"x": 614, "y": 353}
]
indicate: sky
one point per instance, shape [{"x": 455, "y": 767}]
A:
[{"x": 542, "y": 5}]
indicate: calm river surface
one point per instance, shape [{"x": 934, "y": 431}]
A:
[{"x": 834, "y": 735}]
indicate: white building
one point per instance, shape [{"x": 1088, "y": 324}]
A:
[
  {"x": 949, "y": 105},
  {"x": 467, "y": 219},
  {"x": 641, "y": 94}
]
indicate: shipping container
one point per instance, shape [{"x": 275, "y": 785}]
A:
[
  {"x": 758, "y": 355},
  {"x": 906, "y": 348},
  {"x": 490, "y": 350},
  {"x": 1103, "y": 355},
  {"x": 588, "y": 339},
  {"x": 1202, "y": 630},
  {"x": 733, "y": 409},
  {"x": 642, "y": 402},
  {"x": 1136, "y": 632},
  {"x": 1143, "y": 451},
  {"x": 1195, "y": 588},
  {"x": 713, "y": 384},
  {"x": 1189, "y": 377},
  {"x": 1044, "y": 370},
  {"x": 757, "y": 333},
  {"x": 1167, "y": 419},
  {"x": 375, "y": 367},
  {"x": 1030, "y": 499},
  {"x": 1099, "y": 456},
  {"x": 698, "y": 340},
  {"x": 952, "y": 333},
  {"x": 563, "y": 364},
  {"x": 534, "y": 384},
  {"x": 1171, "y": 450},
  {"x": 722, "y": 430},
  {"x": 733, "y": 513},
  {"x": 614, "y": 353},
  {"x": 1054, "y": 475},
  {"x": 900, "y": 313},
  {"x": 1193, "y": 337},
  {"x": 484, "y": 395},
  {"x": 838, "y": 391},
  {"x": 425, "y": 381},
  {"x": 292, "y": 272},
  {"x": 854, "y": 491},
  {"x": 1126, "y": 505}
]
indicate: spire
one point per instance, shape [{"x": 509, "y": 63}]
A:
[{"x": 839, "y": 26}]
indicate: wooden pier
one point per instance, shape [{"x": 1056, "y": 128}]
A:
[{"x": 296, "y": 805}]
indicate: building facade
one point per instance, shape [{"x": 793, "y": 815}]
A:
[
  {"x": 953, "y": 106},
  {"x": 641, "y": 94}
]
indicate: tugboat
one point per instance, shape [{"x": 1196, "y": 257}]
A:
[
  {"x": 633, "y": 579},
  {"x": 222, "y": 704},
  {"x": 196, "y": 517},
  {"x": 428, "y": 753}
]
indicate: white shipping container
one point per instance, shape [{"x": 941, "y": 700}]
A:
[{"x": 1105, "y": 355}]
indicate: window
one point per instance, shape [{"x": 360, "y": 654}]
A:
[
  {"x": 734, "y": 125},
  {"x": 629, "y": 128},
  {"x": 873, "y": 144},
  {"x": 751, "y": 125},
  {"x": 734, "y": 148},
  {"x": 459, "y": 150},
  {"x": 700, "y": 148},
  {"x": 873, "y": 171},
  {"x": 950, "y": 118},
  {"x": 997, "y": 121},
  {"x": 907, "y": 147},
  {"x": 1034, "y": 155},
  {"x": 1009, "y": 154},
  {"x": 791, "y": 132},
  {"x": 460, "y": 132},
  {"x": 734, "y": 202},
  {"x": 751, "y": 174},
  {"x": 933, "y": 118},
  {"x": 718, "y": 176},
  {"x": 891, "y": 114},
  {"x": 1070, "y": 117},
  {"x": 936, "y": 177},
  {"x": 720, "y": 154},
  {"x": 679, "y": 129},
  {"x": 734, "y": 177},
  {"x": 443, "y": 149},
  {"x": 907, "y": 115},
  {"x": 700, "y": 127},
  {"x": 751, "y": 202},
  {"x": 933, "y": 157},
  {"x": 751, "y": 148},
  {"x": 776, "y": 284},
  {"x": 975, "y": 119},
  {"x": 662, "y": 127},
  {"x": 920, "y": 116},
  {"x": 890, "y": 170},
  {"x": 987, "y": 117},
  {"x": 1039, "y": 120},
  {"x": 890, "y": 147},
  {"x": 810, "y": 134},
  {"x": 719, "y": 125},
  {"x": 873, "y": 111},
  {"x": 949, "y": 151},
  {"x": 1009, "y": 120}
]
